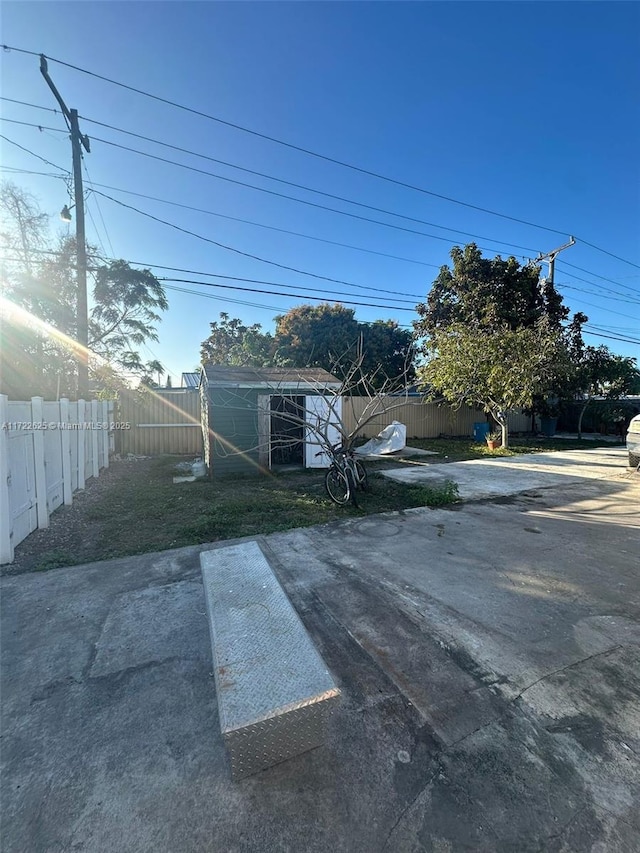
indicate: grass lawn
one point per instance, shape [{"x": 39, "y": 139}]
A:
[
  {"x": 142, "y": 510},
  {"x": 146, "y": 511}
]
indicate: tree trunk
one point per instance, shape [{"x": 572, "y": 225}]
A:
[
  {"x": 505, "y": 434},
  {"x": 582, "y": 411}
]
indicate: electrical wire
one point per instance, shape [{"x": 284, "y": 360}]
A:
[
  {"x": 224, "y": 246},
  {"x": 263, "y": 225},
  {"x": 301, "y": 149},
  {"x": 33, "y": 154},
  {"x": 292, "y": 183},
  {"x": 280, "y": 293},
  {"x": 604, "y": 278},
  {"x": 625, "y": 340},
  {"x": 313, "y": 204},
  {"x": 281, "y": 195},
  {"x": 104, "y": 225},
  {"x": 289, "y": 145}
]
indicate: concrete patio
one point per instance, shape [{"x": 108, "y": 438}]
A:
[{"x": 488, "y": 656}]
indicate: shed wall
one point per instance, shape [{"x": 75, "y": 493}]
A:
[{"x": 233, "y": 431}]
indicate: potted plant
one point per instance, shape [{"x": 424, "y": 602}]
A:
[{"x": 494, "y": 440}]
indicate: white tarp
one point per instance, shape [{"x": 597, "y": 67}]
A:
[{"x": 392, "y": 438}]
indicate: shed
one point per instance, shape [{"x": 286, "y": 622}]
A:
[
  {"x": 249, "y": 417},
  {"x": 191, "y": 381}
]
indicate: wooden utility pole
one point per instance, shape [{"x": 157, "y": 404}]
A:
[{"x": 82, "y": 318}]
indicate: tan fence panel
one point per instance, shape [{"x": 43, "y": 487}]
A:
[
  {"x": 423, "y": 420},
  {"x": 159, "y": 422}
]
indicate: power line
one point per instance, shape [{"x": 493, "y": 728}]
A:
[
  {"x": 90, "y": 182},
  {"x": 289, "y": 197},
  {"x": 28, "y": 104},
  {"x": 263, "y": 225},
  {"x": 603, "y": 277},
  {"x": 155, "y": 141},
  {"x": 232, "y": 218},
  {"x": 224, "y": 246},
  {"x": 625, "y": 340},
  {"x": 310, "y": 152},
  {"x": 605, "y": 252},
  {"x": 289, "y": 145},
  {"x": 619, "y": 297},
  {"x": 279, "y": 293},
  {"x": 309, "y": 203},
  {"x": 294, "y": 286},
  {"x": 33, "y": 154},
  {"x": 256, "y": 281}
]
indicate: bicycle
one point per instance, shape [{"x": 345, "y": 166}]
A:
[{"x": 345, "y": 476}]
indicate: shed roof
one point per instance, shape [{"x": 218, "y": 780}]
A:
[
  {"x": 190, "y": 380},
  {"x": 274, "y": 377}
]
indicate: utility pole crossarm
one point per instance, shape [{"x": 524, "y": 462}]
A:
[{"x": 551, "y": 257}]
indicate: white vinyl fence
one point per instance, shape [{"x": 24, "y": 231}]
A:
[{"x": 47, "y": 452}]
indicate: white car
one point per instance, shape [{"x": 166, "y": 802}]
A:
[{"x": 633, "y": 441}]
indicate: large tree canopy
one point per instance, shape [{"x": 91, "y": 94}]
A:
[
  {"x": 233, "y": 343},
  {"x": 499, "y": 370},
  {"x": 40, "y": 285},
  {"x": 329, "y": 336},
  {"x": 488, "y": 293},
  {"x": 325, "y": 335}
]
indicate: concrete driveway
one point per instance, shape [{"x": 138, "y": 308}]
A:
[
  {"x": 490, "y": 478},
  {"x": 488, "y": 655}
]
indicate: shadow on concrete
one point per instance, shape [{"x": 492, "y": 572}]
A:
[{"x": 488, "y": 657}]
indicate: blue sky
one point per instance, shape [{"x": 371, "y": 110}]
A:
[{"x": 527, "y": 109}]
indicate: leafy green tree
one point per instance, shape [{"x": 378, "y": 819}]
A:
[
  {"x": 500, "y": 370},
  {"x": 488, "y": 293},
  {"x": 329, "y": 336},
  {"x": 316, "y": 335},
  {"x": 233, "y": 343},
  {"x": 125, "y": 306},
  {"x": 601, "y": 373}
]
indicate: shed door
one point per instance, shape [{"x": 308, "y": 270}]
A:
[{"x": 325, "y": 417}]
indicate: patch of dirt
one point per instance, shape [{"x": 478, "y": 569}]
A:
[{"x": 70, "y": 537}]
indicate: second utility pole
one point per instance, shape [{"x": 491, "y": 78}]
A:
[{"x": 82, "y": 313}]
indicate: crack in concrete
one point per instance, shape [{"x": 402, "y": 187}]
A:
[
  {"x": 409, "y": 806},
  {"x": 563, "y": 829},
  {"x": 564, "y": 669}
]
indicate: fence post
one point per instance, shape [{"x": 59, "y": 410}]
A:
[
  {"x": 105, "y": 432},
  {"x": 67, "y": 488},
  {"x": 111, "y": 446},
  {"x": 81, "y": 443},
  {"x": 94, "y": 439},
  {"x": 6, "y": 542},
  {"x": 40, "y": 469}
]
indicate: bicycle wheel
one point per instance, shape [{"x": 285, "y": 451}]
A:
[
  {"x": 352, "y": 493},
  {"x": 337, "y": 486},
  {"x": 361, "y": 475}
]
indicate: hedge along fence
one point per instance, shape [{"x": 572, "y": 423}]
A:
[
  {"x": 423, "y": 420},
  {"x": 47, "y": 452}
]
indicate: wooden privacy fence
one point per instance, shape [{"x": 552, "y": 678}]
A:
[
  {"x": 166, "y": 421},
  {"x": 423, "y": 420},
  {"x": 47, "y": 452}
]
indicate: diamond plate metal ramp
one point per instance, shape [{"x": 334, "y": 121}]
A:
[{"x": 274, "y": 691}]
